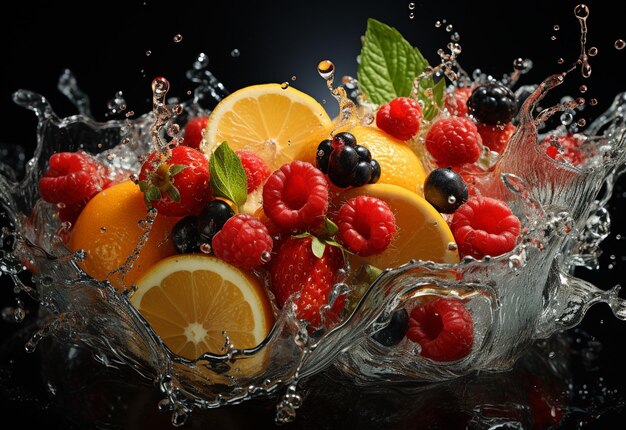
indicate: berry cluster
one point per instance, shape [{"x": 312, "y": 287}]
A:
[{"x": 346, "y": 163}]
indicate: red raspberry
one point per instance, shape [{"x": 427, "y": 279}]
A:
[
  {"x": 444, "y": 329},
  {"x": 72, "y": 178},
  {"x": 400, "y": 118},
  {"x": 256, "y": 169},
  {"x": 366, "y": 225},
  {"x": 194, "y": 129},
  {"x": 484, "y": 226},
  {"x": 179, "y": 185},
  {"x": 456, "y": 102},
  {"x": 243, "y": 242},
  {"x": 564, "y": 147},
  {"x": 454, "y": 141},
  {"x": 295, "y": 269},
  {"x": 496, "y": 137},
  {"x": 296, "y": 196}
]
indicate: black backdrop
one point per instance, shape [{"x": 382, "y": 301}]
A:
[{"x": 106, "y": 48}]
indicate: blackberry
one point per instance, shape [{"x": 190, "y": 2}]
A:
[
  {"x": 212, "y": 219},
  {"x": 323, "y": 154},
  {"x": 492, "y": 103},
  {"x": 361, "y": 174},
  {"x": 445, "y": 190},
  {"x": 375, "y": 172},
  {"x": 395, "y": 331},
  {"x": 185, "y": 236}
]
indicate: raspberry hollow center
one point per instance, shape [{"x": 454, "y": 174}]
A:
[
  {"x": 294, "y": 192},
  {"x": 432, "y": 325}
]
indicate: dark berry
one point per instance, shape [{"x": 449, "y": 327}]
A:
[
  {"x": 345, "y": 138},
  {"x": 492, "y": 103},
  {"x": 185, "y": 236},
  {"x": 361, "y": 174},
  {"x": 340, "y": 165},
  {"x": 445, "y": 189},
  {"x": 323, "y": 154},
  {"x": 212, "y": 219},
  {"x": 375, "y": 172},
  {"x": 363, "y": 153},
  {"x": 395, "y": 330}
]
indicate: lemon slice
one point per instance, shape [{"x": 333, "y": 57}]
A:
[
  {"x": 190, "y": 300},
  {"x": 278, "y": 124},
  {"x": 422, "y": 233}
]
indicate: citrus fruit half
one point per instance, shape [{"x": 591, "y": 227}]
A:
[
  {"x": 192, "y": 300},
  {"x": 280, "y": 124}
]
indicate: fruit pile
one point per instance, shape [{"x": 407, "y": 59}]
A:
[{"x": 264, "y": 206}]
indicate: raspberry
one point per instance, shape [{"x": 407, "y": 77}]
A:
[
  {"x": 296, "y": 196},
  {"x": 456, "y": 102},
  {"x": 496, "y": 137},
  {"x": 243, "y": 242},
  {"x": 444, "y": 329},
  {"x": 400, "y": 118},
  {"x": 72, "y": 178},
  {"x": 366, "y": 225},
  {"x": 454, "y": 141},
  {"x": 565, "y": 147},
  {"x": 193, "y": 131},
  {"x": 255, "y": 168},
  {"x": 484, "y": 226}
]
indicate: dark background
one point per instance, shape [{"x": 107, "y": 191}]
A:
[{"x": 105, "y": 46}]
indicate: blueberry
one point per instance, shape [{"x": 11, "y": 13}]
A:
[
  {"x": 345, "y": 138},
  {"x": 212, "y": 219},
  {"x": 395, "y": 331},
  {"x": 323, "y": 154},
  {"x": 445, "y": 190},
  {"x": 185, "y": 236},
  {"x": 492, "y": 103}
]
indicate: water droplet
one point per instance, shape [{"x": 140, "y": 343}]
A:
[
  {"x": 593, "y": 102},
  {"x": 620, "y": 44},
  {"x": 130, "y": 113},
  {"x": 582, "y": 122},
  {"x": 326, "y": 69},
  {"x": 519, "y": 64},
  {"x": 126, "y": 141},
  {"x": 593, "y": 51},
  {"x": 103, "y": 229},
  {"x": 265, "y": 257},
  {"x": 206, "y": 248},
  {"x": 178, "y": 38},
  {"x": 293, "y": 78},
  {"x": 148, "y": 53},
  {"x": 284, "y": 85},
  {"x": 451, "y": 200},
  {"x": 581, "y": 11},
  {"x": 557, "y": 28},
  {"x": 438, "y": 24},
  {"x": 173, "y": 130},
  {"x": 552, "y": 37},
  {"x": 560, "y": 61},
  {"x": 411, "y": 6},
  {"x": 583, "y": 88},
  {"x": 177, "y": 109},
  {"x": 452, "y": 246},
  {"x": 235, "y": 53},
  {"x": 455, "y": 37},
  {"x": 411, "y": 15},
  {"x": 449, "y": 28},
  {"x": 566, "y": 118}
]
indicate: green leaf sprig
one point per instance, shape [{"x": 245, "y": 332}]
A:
[{"x": 228, "y": 178}]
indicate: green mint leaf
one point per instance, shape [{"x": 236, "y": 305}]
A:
[
  {"x": 318, "y": 247},
  {"x": 389, "y": 65},
  {"x": 228, "y": 178}
]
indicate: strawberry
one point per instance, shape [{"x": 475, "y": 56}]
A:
[
  {"x": 296, "y": 270},
  {"x": 177, "y": 185}
]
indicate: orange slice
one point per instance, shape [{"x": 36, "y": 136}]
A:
[
  {"x": 422, "y": 233},
  {"x": 190, "y": 300},
  {"x": 279, "y": 124}
]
